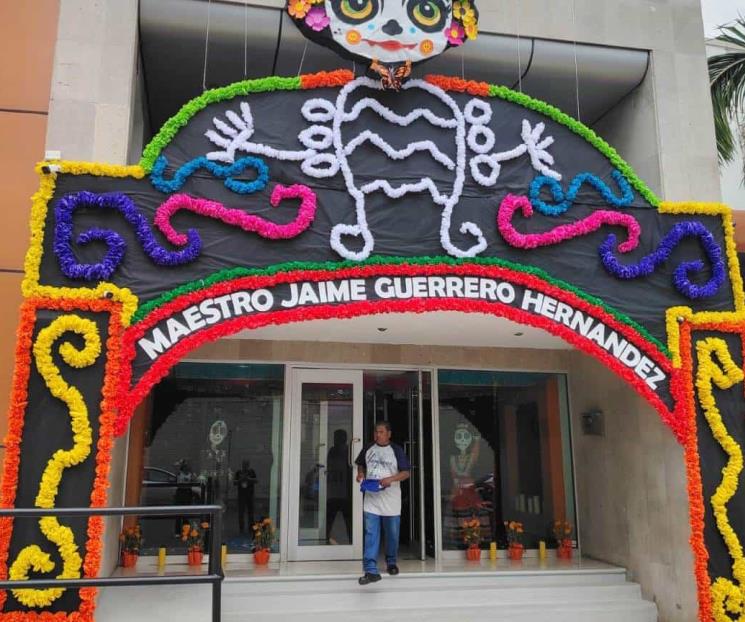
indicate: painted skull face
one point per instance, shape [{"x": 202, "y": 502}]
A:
[
  {"x": 463, "y": 438},
  {"x": 391, "y": 31}
]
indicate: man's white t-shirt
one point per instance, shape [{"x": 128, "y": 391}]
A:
[{"x": 381, "y": 461}]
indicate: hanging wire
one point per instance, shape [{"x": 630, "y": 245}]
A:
[
  {"x": 302, "y": 58},
  {"x": 245, "y": 39},
  {"x": 519, "y": 52},
  {"x": 576, "y": 66},
  {"x": 279, "y": 42},
  {"x": 206, "y": 45}
]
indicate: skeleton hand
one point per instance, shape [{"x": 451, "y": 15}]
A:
[
  {"x": 541, "y": 159},
  {"x": 533, "y": 144},
  {"x": 231, "y": 137}
]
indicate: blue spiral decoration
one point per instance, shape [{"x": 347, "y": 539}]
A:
[
  {"x": 227, "y": 173},
  {"x": 564, "y": 201},
  {"x": 682, "y": 275},
  {"x": 115, "y": 243}
]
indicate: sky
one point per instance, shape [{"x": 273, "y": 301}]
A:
[{"x": 717, "y": 12}]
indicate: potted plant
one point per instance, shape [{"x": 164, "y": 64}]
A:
[
  {"x": 193, "y": 534},
  {"x": 131, "y": 540},
  {"x": 264, "y": 536},
  {"x": 562, "y": 533},
  {"x": 514, "y": 537},
  {"x": 472, "y": 537}
]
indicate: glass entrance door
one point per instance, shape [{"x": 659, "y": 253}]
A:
[{"x": 325, "y": 438}]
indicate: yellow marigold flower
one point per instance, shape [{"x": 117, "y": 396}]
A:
[
  {"x": 194, "y": 533},
  {"x": 472, "y": 31}
]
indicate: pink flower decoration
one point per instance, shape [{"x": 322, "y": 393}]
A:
[
  {"x": 562, "y": 233},
  {"x": 455, "y": 33},
  {"x": 247, "y": 222},
  {"x": 317, "y": 18}
]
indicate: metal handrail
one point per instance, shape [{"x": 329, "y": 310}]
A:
[{"x": 214, "y": 574}]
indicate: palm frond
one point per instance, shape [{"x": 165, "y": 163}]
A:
[{"x": 727, "y": 84}]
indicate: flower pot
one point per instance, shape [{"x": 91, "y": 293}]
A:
[
  {"x": 129, "y": 559},
  {"x": 261, "y": 557},
  {"x": 565, "y": 550},
  {"x": 515, "y": 552},
  {"x": 473, "y": 553},
  {"x": 195, "y": 557}
]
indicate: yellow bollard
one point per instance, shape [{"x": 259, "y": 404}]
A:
[
  {"x": 224, "y": 555},
  {"x": 161, "y": 557},
  {"x": 493, "y": 551}
]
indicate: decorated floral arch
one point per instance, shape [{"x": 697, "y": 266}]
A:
[{"x": 327, "y": 196}]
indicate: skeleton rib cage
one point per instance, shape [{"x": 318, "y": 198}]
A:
[{"x": 328, "y": 152}]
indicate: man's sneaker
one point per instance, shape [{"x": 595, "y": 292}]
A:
[
  {"x": 369, "y": 577},
  {"x": 393, "y": 570}
]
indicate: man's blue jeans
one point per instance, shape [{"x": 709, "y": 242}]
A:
[{"x": 391, "y": 525}]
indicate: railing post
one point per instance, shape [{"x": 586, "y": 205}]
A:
[{"x": 215, "y": 565}]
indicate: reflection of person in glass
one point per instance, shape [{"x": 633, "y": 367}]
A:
[
  {"x": 338, "y": 486},
  {"x": 461, "y": 466},
  {"x": 245, "y": 479},
  {"x": 183, "y": 494}
]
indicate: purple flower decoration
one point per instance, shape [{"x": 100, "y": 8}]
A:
[
  {"x": 684, "y": 271},
  {"x": 115, "y": 243},
  {"x": 317, "y": 18}
]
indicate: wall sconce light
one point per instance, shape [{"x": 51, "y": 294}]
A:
[{"x": 593, "y": 422}]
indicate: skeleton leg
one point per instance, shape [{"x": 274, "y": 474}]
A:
[{"x": 357, "y": 230}]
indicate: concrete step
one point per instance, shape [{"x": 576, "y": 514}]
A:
[
  {"x": 566, "y": 595},
  {"x": 639, "y": 611},
  {"x": 385, "y": 595}
]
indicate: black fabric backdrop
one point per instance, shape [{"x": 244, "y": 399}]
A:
[
  {"x": 713, "y": 458},
  {"x": 407, "y": 227},
  {"x": 47, "y": 429}
]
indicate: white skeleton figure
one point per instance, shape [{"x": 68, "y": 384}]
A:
[{"x": 327, "y": 152}]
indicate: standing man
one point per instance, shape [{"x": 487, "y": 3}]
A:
[
  {"x": 386, "y": 463},
  {"x": 245, "y": 479}
]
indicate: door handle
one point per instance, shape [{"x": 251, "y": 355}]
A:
[{"x": 351, "y": 450}]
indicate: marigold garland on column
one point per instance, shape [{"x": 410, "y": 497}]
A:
[
  {"x": 32, "y": 557},
  {"x": 726, "y": 596}
]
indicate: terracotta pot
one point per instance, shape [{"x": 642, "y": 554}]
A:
[
  {"x": 515, "y": 552},
  {"x": 195, "y": 557},
  {"x": 261, "y": 557},
  {"x": 565, "y": 550},
  {"x": 473, "y": 553},
  {"x": 129, "y": 559}
]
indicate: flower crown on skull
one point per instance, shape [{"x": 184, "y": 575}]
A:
[{"x": 387, "y": 36}]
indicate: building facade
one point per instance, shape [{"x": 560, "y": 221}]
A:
[{"x": 506, "y": 421}]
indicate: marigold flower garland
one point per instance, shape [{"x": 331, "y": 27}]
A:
[
  {"x": 62, "y": 536},
  {"x": 726, "y": 596},
  {"x": 131, "y": 396},
  {"x": 18, "y": 405}
]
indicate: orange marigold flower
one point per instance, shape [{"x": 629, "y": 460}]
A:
[{"x": 298, "y": 8}]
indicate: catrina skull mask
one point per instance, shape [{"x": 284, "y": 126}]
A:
[{"x": 391, "y": 32}]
